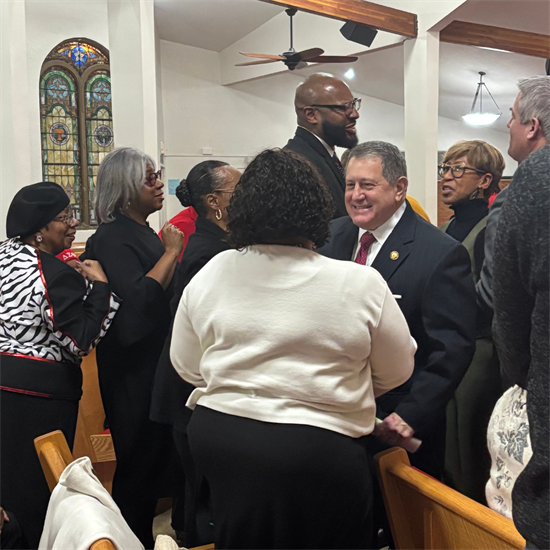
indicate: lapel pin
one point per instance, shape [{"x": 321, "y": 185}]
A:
[{"x": 394, "y": 255}]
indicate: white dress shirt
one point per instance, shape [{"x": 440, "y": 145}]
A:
[{"x": 381, "y": 234}]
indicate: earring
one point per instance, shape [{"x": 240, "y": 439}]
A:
[
  {"x": 474, "y": 194},
  {"x": 219, "y": 214},
  {"x": 38, "y": 238}
]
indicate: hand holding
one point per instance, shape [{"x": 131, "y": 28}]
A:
[
  {"x": 92, "y": 270},
  {"x": 172, "y": 238},
  {"x": 393, "y": 430}
]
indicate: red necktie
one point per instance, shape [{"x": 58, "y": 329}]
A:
[{"x": 366, "y": 240}]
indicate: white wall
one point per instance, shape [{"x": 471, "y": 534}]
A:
[
  {"x": 450, "y": 131},
  {"x": 235, "y": 121},
  {"x": 240, "y": 120},
  {"x": 14, "y": 106}
]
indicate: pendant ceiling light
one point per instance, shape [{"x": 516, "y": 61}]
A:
[{"x": 479, "y": 117}]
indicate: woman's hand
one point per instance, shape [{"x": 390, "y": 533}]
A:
[
  {"x": 92, "y": 270},
  {"x": 172, "y": 238}
]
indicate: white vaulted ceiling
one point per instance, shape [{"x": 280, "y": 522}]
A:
[
  {"x": 215, "y": 25},
  {"x": 210, "y": 24},
  {"x": 380, "y": 75}
]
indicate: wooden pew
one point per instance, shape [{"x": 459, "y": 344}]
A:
[
  {"x": 426, "y": 514},
  {"x": 54, "y": 455}
]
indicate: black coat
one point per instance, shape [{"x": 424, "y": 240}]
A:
[
  {"x": 127, "y": 359},
  {"x": 170, "y": 392},
  {"x": 306, "y": 144},
  {"x": 432, "y": 276},
  {"x": 467, "y": 461}
]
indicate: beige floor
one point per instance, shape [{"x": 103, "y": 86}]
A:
[{"x": 161, "y": 525}]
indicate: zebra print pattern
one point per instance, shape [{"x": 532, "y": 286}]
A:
[{"x": 26, "y": 325}]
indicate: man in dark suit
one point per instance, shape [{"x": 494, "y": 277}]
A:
[
  {"x": 327, "y": 113},
  {"x": 429, "y": 274}
]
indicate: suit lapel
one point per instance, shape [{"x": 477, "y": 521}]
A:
[
  {"x": 344, "y": 239},
  {"x": 319, "y": 148},
  {"x": 397, "y": 246}
]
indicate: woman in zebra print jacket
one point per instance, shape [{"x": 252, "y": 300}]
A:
[{"x": 49, "y": 318}]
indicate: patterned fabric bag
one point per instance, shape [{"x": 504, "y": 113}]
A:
[{"x": 510, "y": 448}]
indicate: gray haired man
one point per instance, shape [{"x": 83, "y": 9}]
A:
[
  {"x": 429, "y": 273},
  {"x": 521, "y": 306},
  {"x": 529, "y": 131}
]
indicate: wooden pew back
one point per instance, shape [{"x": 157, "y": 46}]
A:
[
  {"x": 54, "y": 455},
  {"x": 426, "y": 514}
]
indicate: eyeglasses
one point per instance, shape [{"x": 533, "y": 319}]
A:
[
  {"x": 151, "y": 179},
  {"x": 67, "y": 219},
  {"x": 224, "y": 190},
  {"x": 457, "y": 170},
  {"x": 347, "y": 108}
]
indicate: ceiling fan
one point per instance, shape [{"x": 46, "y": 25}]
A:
[{"x": 296, "y": 60}]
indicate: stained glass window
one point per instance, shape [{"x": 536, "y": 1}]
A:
[
  {"x": 76, "y": 121},
  {"x": 99, "y": 126},
  {"x": 79, "y": 54},
  {"x": 59, "y": 112}
]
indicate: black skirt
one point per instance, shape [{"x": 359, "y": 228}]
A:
[{"x": 282, "y": 485}]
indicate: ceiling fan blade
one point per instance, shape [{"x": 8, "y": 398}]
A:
[
  {"x": 264, "y": 56},
  {"x": 306, "y": 55},
  {"x": 259, "y": 62},
  {"x": 333, "y": 59}
]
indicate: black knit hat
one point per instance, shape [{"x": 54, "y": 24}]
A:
[{"x": 33, "y": 207}]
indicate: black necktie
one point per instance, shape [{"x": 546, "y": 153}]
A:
[{"x": 336, "y": 161}]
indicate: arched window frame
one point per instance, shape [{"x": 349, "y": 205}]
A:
[{"x": 81, "y": 79}]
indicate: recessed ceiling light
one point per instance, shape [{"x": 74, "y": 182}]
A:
[{"x": 350, "y": 73}]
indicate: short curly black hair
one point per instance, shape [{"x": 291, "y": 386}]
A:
[{"x": 280, "y": 196}]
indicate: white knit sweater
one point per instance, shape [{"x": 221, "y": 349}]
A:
[{"x": 282, "y": 334}]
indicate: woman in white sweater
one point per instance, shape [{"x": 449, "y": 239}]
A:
[{"x": 287, "y": 350}]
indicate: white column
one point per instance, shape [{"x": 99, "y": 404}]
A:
[
  {"x": 15, "y": 155},
  {"x": 421, "y": 116},
  {"x": 133, "y": 77}
]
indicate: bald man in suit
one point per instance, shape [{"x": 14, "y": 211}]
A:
[{"x": 327, "y": 113}]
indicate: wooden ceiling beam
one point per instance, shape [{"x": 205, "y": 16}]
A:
[
  {"x": 379, "y": 17},
  {"x": 473, "y": 34}
]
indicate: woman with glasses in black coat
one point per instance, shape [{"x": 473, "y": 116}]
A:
[{"x": 469, "y": 175}]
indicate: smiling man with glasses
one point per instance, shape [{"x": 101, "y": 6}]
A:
[{"x": 327, "y": 114}]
